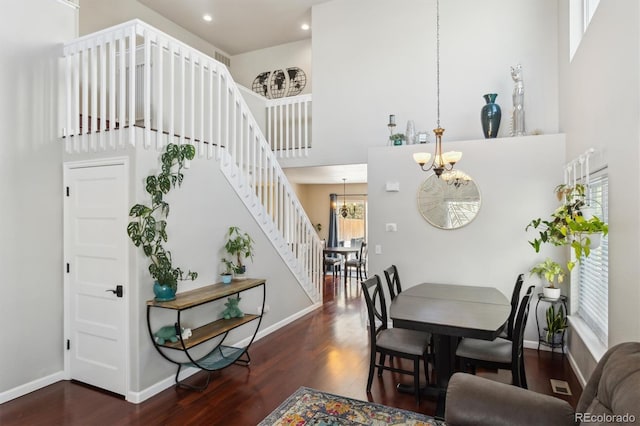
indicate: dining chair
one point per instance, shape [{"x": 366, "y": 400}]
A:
[
  {"x": 499, "y": 353},
  {"x": 333, "y": 262},
  {"x": 515, "y": 298},
  {"x": 394, "y": 342},
  {"x": 393, "y": 281},
  {"x": 330, "y": 261},
  {"x": 359, "y": 263}
]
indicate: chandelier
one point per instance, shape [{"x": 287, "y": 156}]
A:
[
  {"x": 344, "y": 210},
  {"x": 441, "y": 161}
]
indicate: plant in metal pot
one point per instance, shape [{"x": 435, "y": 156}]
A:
[
  {"x": 568, "y": 224},
  {"x": 239, "y": 246},
  {"x": 148, "y": 229},
  {"x": 556, "y": 323},
  {"x": 551, "y": 271}
]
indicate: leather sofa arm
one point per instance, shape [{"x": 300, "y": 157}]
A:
[{"x": 476, "y": 401}]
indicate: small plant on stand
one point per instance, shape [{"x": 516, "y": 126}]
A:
[
  {"x": 556, "y": 323},
  {"x": 239, "y": 245},
  {"x": 551, "y": 271}
]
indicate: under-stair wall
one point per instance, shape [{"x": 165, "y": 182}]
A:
[{"x": 176, "y": 93}]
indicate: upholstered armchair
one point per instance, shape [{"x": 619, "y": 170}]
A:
[{"x": 612, "y": 390}]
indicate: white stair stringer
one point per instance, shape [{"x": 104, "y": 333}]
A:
[{"x": 236, "y": 179}]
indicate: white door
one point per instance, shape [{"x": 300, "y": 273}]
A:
[{"x": 96, "y": 263}]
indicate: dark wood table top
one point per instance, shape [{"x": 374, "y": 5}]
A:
[{"x": 453, "y": 310}]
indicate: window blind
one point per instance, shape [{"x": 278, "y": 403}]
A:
[{"x": 593, "y": 295}]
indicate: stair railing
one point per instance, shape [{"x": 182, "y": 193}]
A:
[{"x": 133, "y": 75}]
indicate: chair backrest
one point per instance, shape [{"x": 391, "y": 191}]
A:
[
  {"x": 515, "y": 298},
  {"x": 376, "y": 305},
  {"x": 363, "y": 252},
  {"x": 517, "y": 346},
  {"x": 393, "y": 281}
]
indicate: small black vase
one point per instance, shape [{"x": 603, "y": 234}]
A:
[{"x": 490, "y": 116}]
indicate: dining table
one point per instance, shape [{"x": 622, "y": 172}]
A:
[{"x": 449, "y": 312}]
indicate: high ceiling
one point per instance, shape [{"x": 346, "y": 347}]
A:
[{"x": 240, "y": 26}]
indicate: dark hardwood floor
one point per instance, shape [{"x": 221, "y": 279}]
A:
[{"x": 326, "y": 350}]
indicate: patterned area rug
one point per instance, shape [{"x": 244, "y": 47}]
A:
[{"x": 311, "y": 407}]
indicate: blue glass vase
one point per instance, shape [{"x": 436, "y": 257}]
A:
[{"x": 490, "y": 116}]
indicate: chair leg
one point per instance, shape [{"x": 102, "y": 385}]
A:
[
  {"x": 425, "y": 359},
  {"x": 416, "y": 379},
  {"x": 383, "y": 358},
  {"x": 372, "y": 364},
  {"x": 523, "y": 375}
]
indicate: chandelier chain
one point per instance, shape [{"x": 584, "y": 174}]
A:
[{"x": 438, "y": 59}]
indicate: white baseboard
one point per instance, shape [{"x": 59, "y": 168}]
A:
[
  {"x": 31, "y": 386},
  {"x": 138, "y": 397},
  {"x": 576, "y": 370}
]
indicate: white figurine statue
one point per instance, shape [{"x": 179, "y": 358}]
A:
[{"x": 517, "y": 119}]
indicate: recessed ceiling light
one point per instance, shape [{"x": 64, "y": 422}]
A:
[
  {"x": 305, "y": 27},
  {"x": 207, "y": 17}
]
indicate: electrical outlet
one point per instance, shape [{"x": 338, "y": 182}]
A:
[{"x": 378, "y": 249}]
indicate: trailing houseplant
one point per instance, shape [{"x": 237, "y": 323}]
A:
[
  {"x": 239, "y": 246},
  {"x": 569, "y": 225},
  {"x": 148, "y": 229},
  {"x": 551, "y": 271},
  {"x": 556, "y": 322}
]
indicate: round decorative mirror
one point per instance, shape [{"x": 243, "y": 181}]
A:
[{"x": 449, "y": 202}]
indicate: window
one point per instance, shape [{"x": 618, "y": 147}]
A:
[
  {"x": 593, "y": 271},
  {"x": 580, "y": 14}
]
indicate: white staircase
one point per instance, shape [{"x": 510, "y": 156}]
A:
[{"x": 133, "y": 75}]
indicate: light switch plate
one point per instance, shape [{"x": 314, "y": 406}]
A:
[{"x": 392, "y": 186}]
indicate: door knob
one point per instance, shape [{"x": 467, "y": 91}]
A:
[{"x": 117, "y": 291}]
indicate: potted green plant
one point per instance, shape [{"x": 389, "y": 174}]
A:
[
  {"x": 551, "y": 271},
  {"x": 227, "y": 275},
  {"x": 556, "y": 324},
  {"x": 148, "y": 229},
  {"x": 397, "y": 138},
  {"x": 569, "y": 225},
  {"x": 239, "y": 246}
]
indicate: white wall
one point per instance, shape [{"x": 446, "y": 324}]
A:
[
  {"x": 202, "y": 210},
  {"x": 31, "y": 191},
  {"x": 372, "y": 58},
  {"x": 515, "y": 176},
  {"x": 246, "y": 67},
  {"x": 600, "y": 108}
]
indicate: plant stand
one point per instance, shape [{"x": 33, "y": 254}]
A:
[
  {"x": 541, "y": 332},
  {"x": 221, "y": 355}
]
